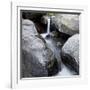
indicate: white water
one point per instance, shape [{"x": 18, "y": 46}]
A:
[
  {"x": 51, "y": 44},
  {"x": 64, "y": 71},
  {"x": 48, "y": 26}
]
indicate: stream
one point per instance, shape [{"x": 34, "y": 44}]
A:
[{"x": 55, "y": 45}]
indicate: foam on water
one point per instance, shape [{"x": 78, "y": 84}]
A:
[
  {"x": 64, "y": 70},
  {"x": 52, "y": 45}
]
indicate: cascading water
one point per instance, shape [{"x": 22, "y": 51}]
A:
[
  {"x": 48, "y": 26},
  {"x": 44, "y": 35},
  {"x": 52, "y": 44}
]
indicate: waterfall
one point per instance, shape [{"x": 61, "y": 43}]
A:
[
  {"x": 52, "y": 44},
  {"x": 48, "y": 29},
  {"x": 48, "y": 26}
]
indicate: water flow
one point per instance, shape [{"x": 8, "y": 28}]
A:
[
  {"x": 52, "y": 45},
  {"x": 48, "y": 26}
]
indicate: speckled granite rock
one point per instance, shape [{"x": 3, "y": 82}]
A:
[
  {"x": 37, "y": 59},
  {"x": 66, "y": 23},
  {"x": 70, "y": 53}
]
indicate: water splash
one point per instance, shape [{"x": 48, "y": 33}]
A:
[{"x": 52, "y": 45}]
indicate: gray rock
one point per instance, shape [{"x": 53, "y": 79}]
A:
[
  {"x": 44, "y": 19},
  {"x": 37, "y": 59},
  {"x": 70, "y": 53},
  {"x": 66, "y": 23}
]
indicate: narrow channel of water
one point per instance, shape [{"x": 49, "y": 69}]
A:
[{"x": 53, "y": 45}]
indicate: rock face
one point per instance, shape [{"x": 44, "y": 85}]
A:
[
  {"x": 66, "y": 23},
  {"x": 70, "y": 53},
  {"x": 37, "y": 59},
  {"x": 45, "y": 19}
]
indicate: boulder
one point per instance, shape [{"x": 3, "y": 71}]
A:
[
  {"x": 70, "y": 53},
  {"x": 37, "y": 59},
  {"x": 44, "y": 19},
  {"x": 66, "y": 23}
]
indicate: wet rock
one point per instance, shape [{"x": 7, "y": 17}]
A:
[
  {"x": 48, "y": 36},
  {"x": 55, "y": 34},
  {"x": 70, "y": 53},
  {"x": 37, "y": 59},
  {"x": 44, "y": 19},
  {"x": 66, "y": 23}
]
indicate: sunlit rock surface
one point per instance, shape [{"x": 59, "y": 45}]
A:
[{"x": 66, "y": 23}]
